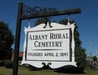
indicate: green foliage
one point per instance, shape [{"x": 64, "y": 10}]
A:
[
  {"x": 79, "y": 51},
  {"x": 6, "y": 41},
  {"x": 69, "y": 69},
  {"x": 1, "y": 63},
  {"x": 94, "y": 58},
  {"x": 8, "y": 64}
]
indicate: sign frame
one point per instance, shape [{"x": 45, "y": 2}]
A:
[{"x": 51, "y": 63}]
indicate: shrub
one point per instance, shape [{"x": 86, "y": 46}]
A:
[
  {"x": 8, "y": 64},
  {"x": 67, "y": 69},
  {"x": 70, "y": 69},
  {"x": 1, "y": 63}
]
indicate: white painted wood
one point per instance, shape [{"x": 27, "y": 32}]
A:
[{"x": 57, "y": 55}]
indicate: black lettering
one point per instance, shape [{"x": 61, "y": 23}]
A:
[
  {"x": 36, "y": 43},
  {"x": 30, "y": 37}
]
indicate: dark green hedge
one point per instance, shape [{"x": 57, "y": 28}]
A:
[
  {"x": 70, "y": 69},
  {"x": 8, "y": 63},
  {"x": 1, "y": 63}
]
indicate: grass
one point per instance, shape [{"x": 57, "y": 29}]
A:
[{"x": 25, "y": 71}]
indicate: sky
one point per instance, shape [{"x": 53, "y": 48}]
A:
[{"x": 86, "y": 20}]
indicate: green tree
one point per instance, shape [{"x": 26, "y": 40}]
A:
[
  {"x": 94, "y": 58},
  {"x": 80, "y": 54},
  {"x": 6, "y": 41}
]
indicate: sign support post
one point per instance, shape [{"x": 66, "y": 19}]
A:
[
  {"x": 24, "y": 14},
  {"x": 17, "y": 40}
]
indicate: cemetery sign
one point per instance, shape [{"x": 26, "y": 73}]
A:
[{"x": 52, "y": 46}]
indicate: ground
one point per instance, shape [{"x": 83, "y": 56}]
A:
[{"x": 25, "y": 71}]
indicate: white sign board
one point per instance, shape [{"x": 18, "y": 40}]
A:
[{"x": 49, "y": 45}]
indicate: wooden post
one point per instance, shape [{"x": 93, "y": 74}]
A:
[{"x": 17, "y": 40}]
